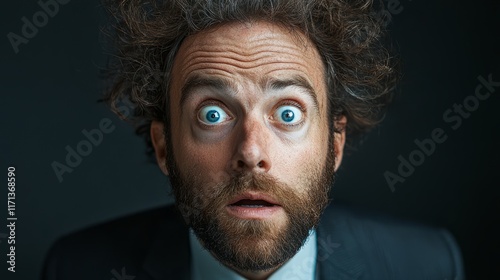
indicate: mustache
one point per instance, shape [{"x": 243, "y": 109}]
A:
[
  {"x": 250, "y": 182},
  {"x": 264, "y": 183},
  {"x": 195, "y": 205}
]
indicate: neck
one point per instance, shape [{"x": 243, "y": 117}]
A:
[{"x": 251, "y": 274}]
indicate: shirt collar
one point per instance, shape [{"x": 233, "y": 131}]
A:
[{"x": 301, "y": 266}]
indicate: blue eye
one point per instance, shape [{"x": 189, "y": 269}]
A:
[
  {"x": 212, "y": 115},
  {"x": 288, "y": 114}
]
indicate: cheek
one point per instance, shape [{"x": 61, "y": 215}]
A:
[
  {"x": 206, "y": 162},
  {"x": 297, "y": 165}
]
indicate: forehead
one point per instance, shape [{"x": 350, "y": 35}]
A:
[{"x": 248, "y": 52}]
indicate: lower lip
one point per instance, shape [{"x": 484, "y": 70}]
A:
[{"x": 265, "y": 212}]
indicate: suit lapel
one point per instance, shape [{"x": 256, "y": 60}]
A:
[
  {"x": 169, "y": 256},
  {"x": 338, "y": 257}
]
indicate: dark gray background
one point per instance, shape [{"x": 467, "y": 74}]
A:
[{"x": 50, "y": 87}]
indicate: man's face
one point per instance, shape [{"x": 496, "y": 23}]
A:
[{"x": 249, "y": 153}]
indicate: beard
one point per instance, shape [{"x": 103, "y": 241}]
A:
[{"x": 247, "y": 244}]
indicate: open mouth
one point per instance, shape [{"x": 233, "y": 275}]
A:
[
  {"x": 253, "y": 203},
  {"x": 254, "y": 206}
]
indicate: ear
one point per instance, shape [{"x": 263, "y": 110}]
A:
[
  {"x": 339, "y": 140},
  {"x": 158, "y": 140}
]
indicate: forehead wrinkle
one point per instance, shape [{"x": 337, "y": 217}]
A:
[
  {"x": 210, "y": 66},
  {"x": 211, "y": 60},
  {"x": 238, "y": 54},
  {"x": 230, "y": 67},
  {"x": 208, "y": 56},
  {"x": 245, "y": 51},
  {"x": 234, "y": 38}
]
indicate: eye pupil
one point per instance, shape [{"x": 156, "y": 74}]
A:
[
  {"x": 213, "y": 116},
  {"x": 287, "y": 115}
]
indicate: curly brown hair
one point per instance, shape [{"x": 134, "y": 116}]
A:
[{"x": 349, "y": 35}]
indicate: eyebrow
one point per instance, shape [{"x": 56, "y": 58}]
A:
[
  {"x": 295, "y": 81},
  {"x": 198, "y": 81},
  {"x": 224, "y": 85}
]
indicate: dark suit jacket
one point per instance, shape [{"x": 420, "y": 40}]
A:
[{"x": 351, "y": 245}]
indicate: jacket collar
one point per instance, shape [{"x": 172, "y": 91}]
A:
[
  {"x": 339, "y": 256},
  {"x": 169, "y": 255}
]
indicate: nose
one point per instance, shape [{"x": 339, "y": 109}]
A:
[{"x": 251, "y": 149}]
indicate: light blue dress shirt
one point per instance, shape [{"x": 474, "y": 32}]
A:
[{"x": 302, "y": 266}]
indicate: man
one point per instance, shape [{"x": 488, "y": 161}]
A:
[{"x": 247, "y": 106}]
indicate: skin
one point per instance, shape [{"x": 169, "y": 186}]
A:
[{"x": 250, "y": 135}]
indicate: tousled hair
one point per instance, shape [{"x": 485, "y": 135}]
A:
[{"x": 348, "y": 34}]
